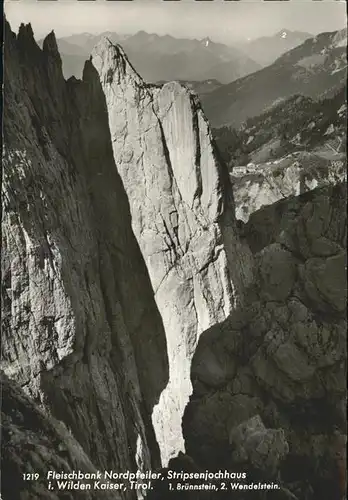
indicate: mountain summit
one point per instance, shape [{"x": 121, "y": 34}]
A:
[
  {"x": 267, "y": 49},
  {"x": 315, "y": 69},
  {"x": 206, "y": 41},
  {"x": 179, "y": 203}
]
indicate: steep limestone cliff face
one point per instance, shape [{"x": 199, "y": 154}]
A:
[
  {"x": 134, "y": 312},
  {"x": 78, "y": 305},
  {"x": 75, "y": 279},
  {"x": 182, "y": 217}
]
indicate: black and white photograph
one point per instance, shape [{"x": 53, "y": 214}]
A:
[{"x": 173, "y": 251}]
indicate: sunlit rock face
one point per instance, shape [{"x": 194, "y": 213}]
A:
[
  {"x": 182, "y": 217},
  {"x": 88, "y": 306}
]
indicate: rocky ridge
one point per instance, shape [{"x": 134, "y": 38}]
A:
[
  {"x": 257, "y": 186},
  {"x": 316, "y": 69},
  {"x": 61, "y": 175},
  {"x": 155, "y": 325},
  {"x": 265, "y": 50},
  {"x": 281, "y": 362},
  {"x": 35, "y": 440},
  {"x": 162, "y": 57},
  {"x": 71, "y": 265},
  {"x": 292, "y": 125}
]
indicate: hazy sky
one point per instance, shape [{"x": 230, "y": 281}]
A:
[{"x": 221, "y": 20}]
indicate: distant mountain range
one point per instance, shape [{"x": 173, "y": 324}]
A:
[
  {"x": 169, "y": 58},
  {"x": 83, "y": 43},
  {"x": 315, "y": 69},
  {"x": 232, "y": 84},
  {"x": 163, "y": 57},
  {"x": 267, "y": 49}
]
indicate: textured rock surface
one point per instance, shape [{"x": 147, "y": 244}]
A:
[
  {"x": 261, "y": 447},
  {"x": 32, "y": 439},
  {"x": 182, "y": 217},
  {"x": 284, "y": 357},
  {"x": 256, "y": 186},
  {"x": 77, "y": 301},
  {"x": 126, "y": 286},
  {"x": 71, "y": 264}
]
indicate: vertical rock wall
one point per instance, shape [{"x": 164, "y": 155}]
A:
[
  {"x": 81, "y": 330},
  {"x": 182, "y": 217},
  {"x": 127, "y": 291}
]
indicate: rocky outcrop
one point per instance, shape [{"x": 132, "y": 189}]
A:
[
  {"x": 31, "y": 438},
  {"x": 182, "y": 217},
  {"x": 275, "y": 373},
  {"x": 78, "y": 305},
  {"x": 256, "y": 186},
  {"x": 261, "y": 447},
  {"x": 72, "y": 266},
  {"x": 138, "y": 317}
]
